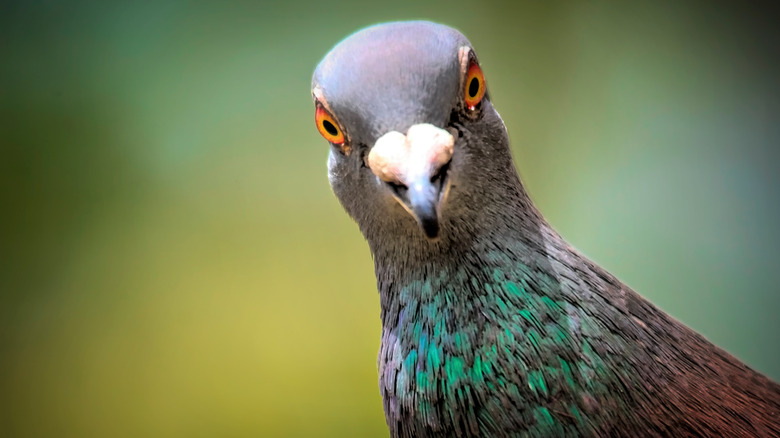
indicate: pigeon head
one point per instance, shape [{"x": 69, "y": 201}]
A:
[{"x": 417, "y": 149}]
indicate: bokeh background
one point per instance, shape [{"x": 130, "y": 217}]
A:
[{"x": 172, "y": 260}]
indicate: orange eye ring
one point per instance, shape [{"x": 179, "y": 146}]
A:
[
  {"x": 328, "y": 126},
  {"x": 475, "y": 86}
]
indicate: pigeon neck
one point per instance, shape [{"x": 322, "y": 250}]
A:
[
  {"x": 460, "y": 267},
  {"x": 450, "y": 324}
]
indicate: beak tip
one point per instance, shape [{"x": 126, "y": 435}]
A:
[{"x": 430, "y": 227}]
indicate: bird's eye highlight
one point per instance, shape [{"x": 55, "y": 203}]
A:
[
  {"x": 328, "y": 126},
  {"x": 475, "y": 85}
]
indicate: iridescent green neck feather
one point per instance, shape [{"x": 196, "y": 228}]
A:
[{"x": 487, "y": 348}]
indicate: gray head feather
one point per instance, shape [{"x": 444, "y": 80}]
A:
[{"x": 391, "y": 76}]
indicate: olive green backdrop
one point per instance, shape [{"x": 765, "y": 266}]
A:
[{"x": 174, "y": 264}]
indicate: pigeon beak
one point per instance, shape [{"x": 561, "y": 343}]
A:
[
  {"x": 414, "y": 166},
  {"x": 422, "y": 200}
]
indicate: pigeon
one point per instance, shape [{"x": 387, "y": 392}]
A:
[{"x": 492, "y": 325}]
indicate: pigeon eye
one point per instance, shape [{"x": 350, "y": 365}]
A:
[
  {"x": 328, "y": 126},
  {"x": 475, "y": 85}
]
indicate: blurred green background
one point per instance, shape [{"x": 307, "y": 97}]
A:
[{"x": 174, "y": 264}]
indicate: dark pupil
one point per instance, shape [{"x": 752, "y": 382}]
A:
[
  {"x": 330, "y": 128},
  {"x": 473, "y": 87}
]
